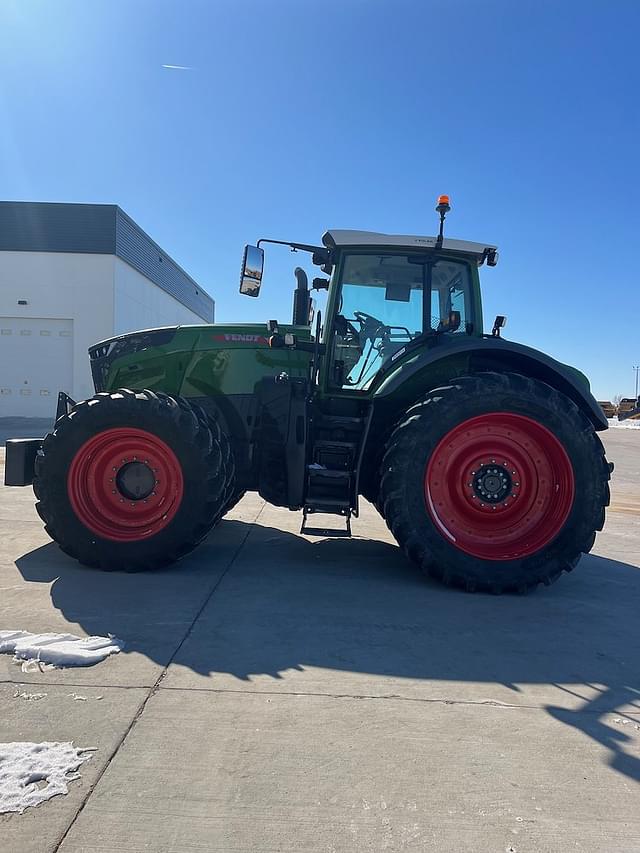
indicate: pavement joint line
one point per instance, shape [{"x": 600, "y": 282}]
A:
[
  {"x": 154, "y": 689},
  {"x": 23, "y": 683},
  {"x": 315, "y": 694},
  {"x": 33, "y": 521},
  {"x": 491, "y": 703}
]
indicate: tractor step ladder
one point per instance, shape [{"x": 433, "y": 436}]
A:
[
  {"x": 331, "y": 476},
  {"x": 333, "y": 532},
  {"x": 328, "y": 492}
]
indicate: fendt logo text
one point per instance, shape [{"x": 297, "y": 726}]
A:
[{"x": 241, "y": 339}]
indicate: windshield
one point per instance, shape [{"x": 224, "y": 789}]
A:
[{"x": 380, "y": 310}]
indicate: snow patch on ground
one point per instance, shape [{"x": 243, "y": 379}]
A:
[
  {"x": 631, "y": 424},
  {"x": 44, "y": 651},
  {"x": 35, "y": 665},
  {"x": 30, "y": 697},
  {"x": 31, "y": 773}
]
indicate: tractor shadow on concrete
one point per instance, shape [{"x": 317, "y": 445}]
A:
[{"x": 358, "y": 606}]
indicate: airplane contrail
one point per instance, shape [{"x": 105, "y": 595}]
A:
[{"x": 179, "y": 67}]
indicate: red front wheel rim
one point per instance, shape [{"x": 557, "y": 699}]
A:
[
  {"x": 499, "y": 486},
  {"x": 125, "y": 484}
]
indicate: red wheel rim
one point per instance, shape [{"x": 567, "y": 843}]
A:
[
  {"x": 97, "y": 488},
  {"x": 499, "y": 486}
]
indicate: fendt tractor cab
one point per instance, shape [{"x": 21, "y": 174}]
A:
[{"x": 481, "y": 454}]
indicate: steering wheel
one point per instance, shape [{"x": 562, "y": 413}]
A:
[{"x": 370, "y": 324}]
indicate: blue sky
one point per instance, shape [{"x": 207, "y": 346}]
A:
[{"x": 299, "y": 116}]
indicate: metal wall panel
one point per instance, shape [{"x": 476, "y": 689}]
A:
[
  {"x": 45, "y": 227},
  {"x": 139, "y": 250},
  {"x": 98, "y": 229}
]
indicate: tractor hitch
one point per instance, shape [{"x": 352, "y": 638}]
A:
[
  {"x": 20, "y": 459},
  {"x": 19, "y": 464},
  {"x": 65, "y": 404}
]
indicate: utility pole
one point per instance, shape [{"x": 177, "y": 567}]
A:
[{"x": 636, "y": 367}]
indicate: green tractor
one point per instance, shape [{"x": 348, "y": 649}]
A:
[{"x": 480, "y": 454}]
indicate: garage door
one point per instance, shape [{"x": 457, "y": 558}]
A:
[{"x": 36, "y": 361}]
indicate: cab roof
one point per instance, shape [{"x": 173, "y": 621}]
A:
[{"x": 337, "y": 239}]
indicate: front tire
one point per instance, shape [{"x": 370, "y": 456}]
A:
[
  {"x": 496, "y": 482},
  {"x": 130, "y": 480}
]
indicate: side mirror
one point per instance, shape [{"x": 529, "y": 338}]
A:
[{"x": 251, "y": 272}]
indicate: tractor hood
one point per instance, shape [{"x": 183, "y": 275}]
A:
[{"x": 193, "y": 360}]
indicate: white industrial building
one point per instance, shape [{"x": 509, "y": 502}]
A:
[{"x": 72, "y": 275}]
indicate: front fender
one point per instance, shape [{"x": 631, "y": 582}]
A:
[{"x": 477, "y": 354}]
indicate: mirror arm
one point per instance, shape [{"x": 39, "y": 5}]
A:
[{"x": 321, "y": 255}]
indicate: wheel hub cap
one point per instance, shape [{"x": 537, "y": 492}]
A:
[
  {"x": 492, "y": 483},
  {"x": 135, "y": 481}
]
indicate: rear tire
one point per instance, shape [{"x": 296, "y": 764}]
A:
[
  {"x": 496, "y": 482},
  {"x": 94, "y": 480},
  {"x": 233, "y": 500}
]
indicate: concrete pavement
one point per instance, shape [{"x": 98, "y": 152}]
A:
[{"x": 288, "y": 693}]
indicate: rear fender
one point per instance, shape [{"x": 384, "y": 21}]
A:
[{"x": 416, "y": 375}]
